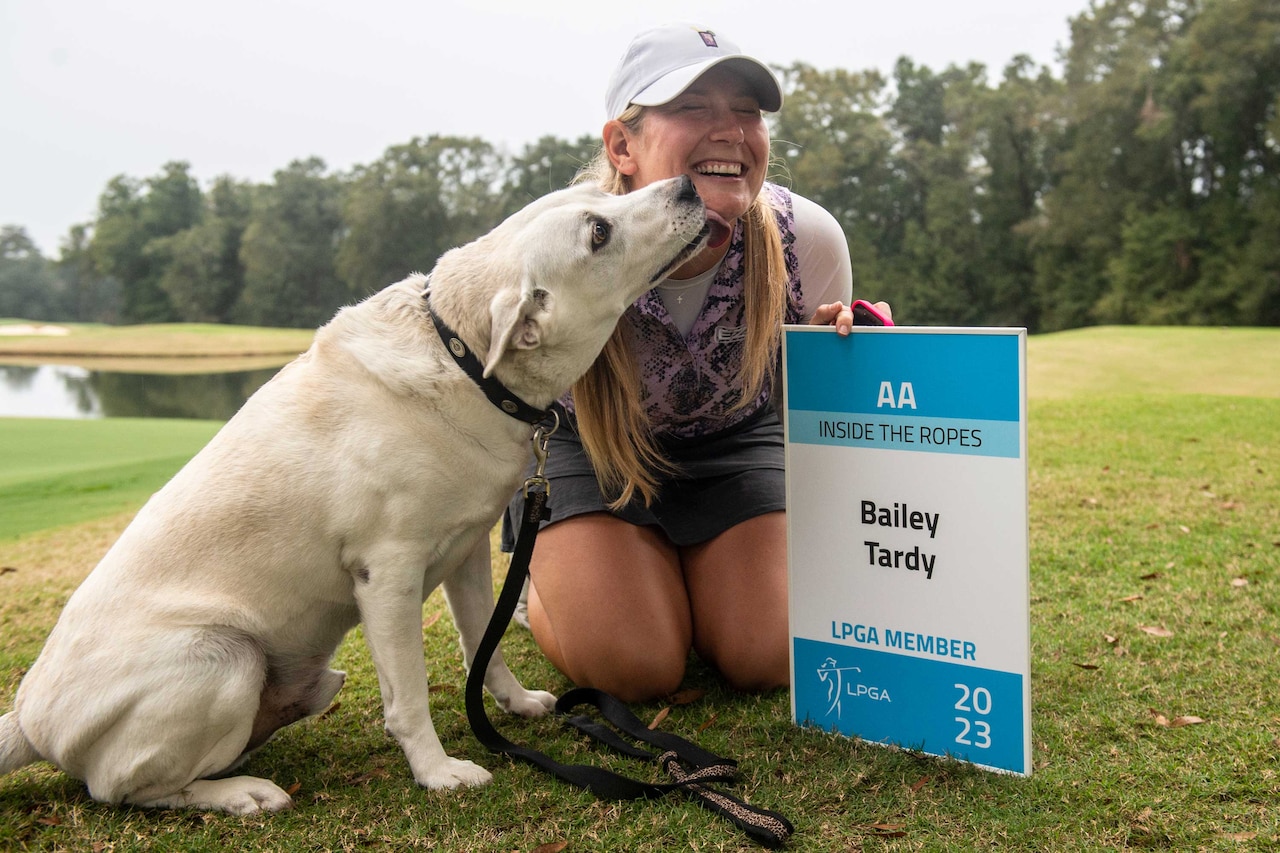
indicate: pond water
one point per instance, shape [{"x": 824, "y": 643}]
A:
[{"x": 62, "y": 391}]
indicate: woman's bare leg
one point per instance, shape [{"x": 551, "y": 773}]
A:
[
  {"x": 737, "y": 583},
  {"x": 608, "y": 606}
]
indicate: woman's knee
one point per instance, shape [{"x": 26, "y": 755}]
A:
[
  {"x": 631, "y": 667},
  {"x": 748, "y": 659},
  {"x": 755, "y": 674},
  {"x": 634, "y": 674}
]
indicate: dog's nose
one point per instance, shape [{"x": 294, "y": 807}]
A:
[{"x": 686, "y": 190}]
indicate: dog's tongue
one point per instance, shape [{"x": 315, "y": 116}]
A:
[{"x": 720, "y": 230}]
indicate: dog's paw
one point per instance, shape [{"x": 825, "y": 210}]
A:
[
  {"x": 455, "y": 773},
  {"x": 530, "y": 703},
  {"x": 262, "y": 797},
  {"x": 239, "y": 795}
]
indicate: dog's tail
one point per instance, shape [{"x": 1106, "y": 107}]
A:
[{"x": 15, "y": 750}]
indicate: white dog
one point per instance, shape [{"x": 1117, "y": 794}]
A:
[{"x": 366, "y": 473}]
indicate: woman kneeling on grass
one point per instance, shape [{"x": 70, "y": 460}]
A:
[{"x": 668, "y": 528}]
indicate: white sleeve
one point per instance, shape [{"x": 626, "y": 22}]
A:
[{"x": 822, "y": 253}]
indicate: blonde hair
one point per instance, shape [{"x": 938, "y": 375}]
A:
[{"x": 612, "y": 421}]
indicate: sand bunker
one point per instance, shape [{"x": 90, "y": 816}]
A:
[{"x": 28, "y": 329}]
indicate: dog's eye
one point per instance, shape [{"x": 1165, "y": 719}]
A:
[{"x": 599, "y": 233}]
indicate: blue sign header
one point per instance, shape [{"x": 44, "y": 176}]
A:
[{"x": 929, "y": 375}]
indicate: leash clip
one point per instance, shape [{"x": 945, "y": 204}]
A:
[{"x": 541, "y": 441}]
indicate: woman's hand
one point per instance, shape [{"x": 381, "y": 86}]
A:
[{"x": 841, "y": 316}]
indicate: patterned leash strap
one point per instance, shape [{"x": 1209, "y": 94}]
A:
[{"x": 690, "y": 767}]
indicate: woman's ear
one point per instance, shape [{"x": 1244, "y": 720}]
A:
[{"x": 617, "y": 144}]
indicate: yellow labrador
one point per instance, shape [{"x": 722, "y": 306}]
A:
[{"x": 363, "y": 475}]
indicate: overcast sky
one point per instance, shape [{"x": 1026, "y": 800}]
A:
[{"x": 90, "y": 89}]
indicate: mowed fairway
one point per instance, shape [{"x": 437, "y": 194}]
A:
[{"x": 61, "y": 472}]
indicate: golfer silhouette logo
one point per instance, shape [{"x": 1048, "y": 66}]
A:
[{"x": 833, "y": 675}]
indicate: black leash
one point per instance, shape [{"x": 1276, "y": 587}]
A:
[{"x": 690, "y": 767}]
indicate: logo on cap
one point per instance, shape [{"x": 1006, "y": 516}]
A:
[{"x": 708, "y": 38}]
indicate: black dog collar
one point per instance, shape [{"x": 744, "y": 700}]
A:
[{"x": 498, "y": 394}]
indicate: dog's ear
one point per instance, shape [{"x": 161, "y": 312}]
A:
[{"x": 513, "y": 323}]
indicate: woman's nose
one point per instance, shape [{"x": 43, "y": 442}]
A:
[{"x": 726, "y": 127}]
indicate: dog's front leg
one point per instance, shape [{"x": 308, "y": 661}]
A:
[
  {"x": 469, "y": 592},
  {"x": 390, "y": 603}
]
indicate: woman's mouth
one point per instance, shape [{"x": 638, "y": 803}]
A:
[{"x": 719, "y": 169}]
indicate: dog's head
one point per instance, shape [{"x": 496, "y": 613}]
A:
[{"x": 557, "y": 275}]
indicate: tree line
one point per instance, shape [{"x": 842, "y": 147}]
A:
[{"x": 1140, "y": 186}]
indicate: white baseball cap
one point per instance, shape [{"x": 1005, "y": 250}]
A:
[{"x": 662, "y": 62}]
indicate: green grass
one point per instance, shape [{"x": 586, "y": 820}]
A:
[
  {"x": 1159, "y": 360},
  {"x": 57, "y": 472},
  {"x": 1154, "y": 505}
]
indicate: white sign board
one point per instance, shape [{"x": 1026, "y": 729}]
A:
[{"x": 907, "y": 538}]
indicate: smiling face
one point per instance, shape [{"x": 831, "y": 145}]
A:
[{"x": 714, "y": 133}]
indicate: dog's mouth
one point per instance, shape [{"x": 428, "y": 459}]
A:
[{"x": 715, "y": 231}]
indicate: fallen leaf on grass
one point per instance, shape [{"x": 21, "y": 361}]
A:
[
  {"x": 1129, "y": 599},
  {"x": 1150, "y": 576},
  {"x": 432, "y": 619},
  {"x": 708, "y": 723},
  {"x": 920, "y": 783},
  {"x": 1238, "y": 836},
  {"x": 659, "y": 717},
  {"x": 1176, "y": 723},
  {"x": 293, "y": 789},
  {"x": 50, "y": 821},
  {"x": 7, "y": 570},
  {"x": 886, "y": 830},
  {"x": 1086, "y": 665},
  {"x": 1155, "y": 630},
  {"x": 1239, "y": 582},
  {"x": 551, "y": 847}
]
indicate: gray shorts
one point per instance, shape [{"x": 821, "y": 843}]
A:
[{"x": 724, "y": 479}]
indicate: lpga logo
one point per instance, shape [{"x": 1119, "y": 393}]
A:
[{"x": 840, "y": 686}]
